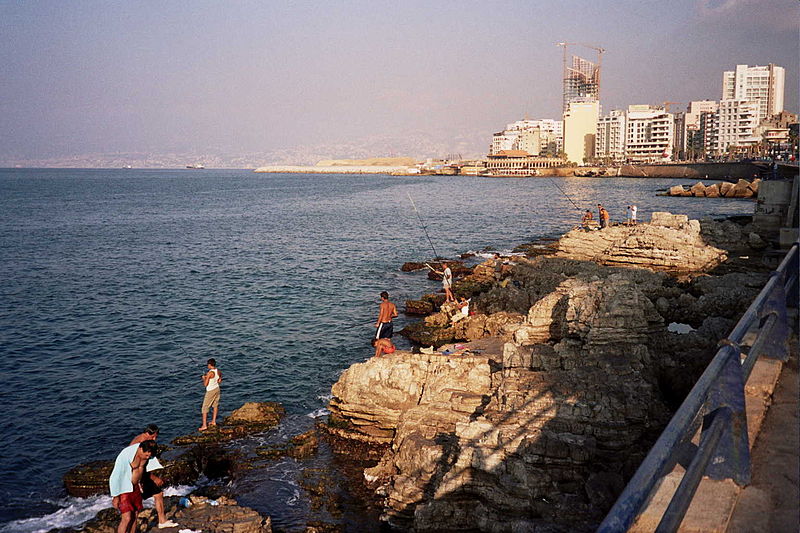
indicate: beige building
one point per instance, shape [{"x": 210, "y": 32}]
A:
[
  {"x": 580, "y": 130},
  {"x": 611, "y": 136},
  {"x": 736, "y": 124}
]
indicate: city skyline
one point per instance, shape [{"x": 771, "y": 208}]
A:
[{"x": 247, "y": 81}]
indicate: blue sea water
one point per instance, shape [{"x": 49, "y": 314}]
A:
[{"x": 117, "y": 285}]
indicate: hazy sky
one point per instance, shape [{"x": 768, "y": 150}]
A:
[{"x": 244, "y": 76}]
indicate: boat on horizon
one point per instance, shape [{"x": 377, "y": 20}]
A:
[{"x": 196, "y": 166}]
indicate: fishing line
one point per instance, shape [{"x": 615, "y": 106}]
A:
[
  {"x": 565, "y": 194},
  {"x": 424, "y": 228}
]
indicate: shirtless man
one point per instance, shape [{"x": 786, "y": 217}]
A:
[
  {"x": 151, "y": 483},
  {"x": 384, "y": 328}
]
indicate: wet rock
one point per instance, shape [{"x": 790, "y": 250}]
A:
[
  {"x": 223, "y": 516},
  {"x": 425, "y": 335},
  {"x": 756, "y": 242},
  {"x": 88, "y": 479},
  {"x": 252, "y": 417},
  {"x": 419, "y": 307},
  {"x": 412, "y": 266},
  {"x": 299, "y": 447}
]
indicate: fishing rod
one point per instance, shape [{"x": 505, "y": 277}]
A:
[
  {"x": 425, "y": 229},
  {"x": 564, "y": 193}
]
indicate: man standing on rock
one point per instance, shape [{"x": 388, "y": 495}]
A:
[
  {"x": 384, "y": 328},
  {"x": 211, "y": 380},
  {"x": 633, "y": 215},
  {"x": 447, "y": 282},
  {"x": 603, "y": 215}
]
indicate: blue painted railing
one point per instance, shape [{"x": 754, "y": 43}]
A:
[{"x": 717, "y": 402}]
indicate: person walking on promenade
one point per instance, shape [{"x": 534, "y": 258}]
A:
[
  {"x": 152, "y": 485},
  {"x": 604, "y": 217},
  {"x": 123, "y": 483},
  {"x": 211, "y": 381},
  {"x": 447, "y": 282},
  {"x": 387, "y": 311}
]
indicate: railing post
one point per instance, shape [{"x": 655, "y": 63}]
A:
[
  {"x": 776, "y": 342},
  {"x": 731, "y": 459}
]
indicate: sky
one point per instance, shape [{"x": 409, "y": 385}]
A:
[{"x": 235, "y": 77}]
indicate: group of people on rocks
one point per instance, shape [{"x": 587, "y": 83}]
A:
[
  {"x": 588, "y": 222},
  {"x": 133, "y": 479}
]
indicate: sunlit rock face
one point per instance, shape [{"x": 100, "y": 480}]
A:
[
  {"x": 533, "y": 438},
  {"x": 669, "y": 242}
]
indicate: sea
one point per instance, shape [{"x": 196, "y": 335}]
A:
[{"x": 117, "y": 285}]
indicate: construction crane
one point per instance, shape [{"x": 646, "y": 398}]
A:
[
  {"x": 667, "y": 104},
  {"x": 598, "y": 49}
]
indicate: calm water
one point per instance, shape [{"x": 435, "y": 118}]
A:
[{"x": 118, "y": 284}]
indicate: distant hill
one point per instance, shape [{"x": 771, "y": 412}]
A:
[{"x": 369, "y": 162}]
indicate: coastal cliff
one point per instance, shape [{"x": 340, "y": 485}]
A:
[{"x": 537, "y": 427}]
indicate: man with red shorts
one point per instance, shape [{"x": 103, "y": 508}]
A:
[{"x": 124, "y": 482}]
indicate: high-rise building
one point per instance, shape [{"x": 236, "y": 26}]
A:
[
  {"x": 580, "y": 130},
  {"x": 687, "y": 126},
  {"x": 736, "y": 124},
  {"x": 649, "y": 134},
  {"x": 581, "y": 82},
  {"x": 611, "y": 136},
  {"x": 763, "y": 85}
]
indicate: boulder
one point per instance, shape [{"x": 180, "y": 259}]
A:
[
  {"x": 675, "y": 190},
  {"x": 419, "y": 307},
  {"x": 252, "y": 417},
  {"x": 299, "y": 447},
  {"x": 712, "y": 191},
  {"x": 725, "y": 188},
  {"x": 755, "y": 241},
  {"x": 698, "y": 189},
  {"x": 669, "y": 243},
  {"x": 754, "y": 186},
  {"x": 742, "y": 189}
]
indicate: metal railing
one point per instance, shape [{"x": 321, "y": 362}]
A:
[{"x": 717, "y": 402}]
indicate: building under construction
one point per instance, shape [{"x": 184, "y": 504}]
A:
[{"x": 581, "y": 76}]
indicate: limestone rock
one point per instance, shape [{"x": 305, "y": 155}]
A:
[
  {"x": 725, "y": 188},
  {"x": 484, "y": 439},
  {"x": 742, "y": 189},
  {"x": 675, "y": 190},
  {"x": 670, "y": 242},
  {"x": 252, "y": 417}
]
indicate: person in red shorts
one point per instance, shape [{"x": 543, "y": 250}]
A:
[
  {"x": 124, "y": 483},
  {"x": 383, "y": 346}
]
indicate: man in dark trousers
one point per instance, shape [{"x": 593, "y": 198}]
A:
[{"x": 384, "y": 328}]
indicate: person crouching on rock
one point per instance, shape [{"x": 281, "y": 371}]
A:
[
  {"x": 124, "y": 483},
  {"x": 587, "y": 220},
  {"x": 152, "y": 485},
  {"x": 383, "y": 346}
]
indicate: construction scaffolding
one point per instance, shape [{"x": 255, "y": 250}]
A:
[{"x": 581, "y": 77}]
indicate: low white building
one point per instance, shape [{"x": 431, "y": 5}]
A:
[
  {"x": 649, "y": 134},
  {"x": 534, "y": 136}
]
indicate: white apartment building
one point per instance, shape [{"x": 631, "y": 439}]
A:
[
  {"x": 611, "y": 136},
  {"x": 534, "y": 136},
  {"x": 694, "y": 109},
  {"x": 764, "y": 85},
  {"x": 736, "y": 123},
  {"x": 580, "y": 130},
  {"x": 649, "y": 134}
]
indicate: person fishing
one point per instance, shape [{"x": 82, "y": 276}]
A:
[
  {"x": 387, "y": 311},
  {"x": 447, "y": 282},
  {"x": 588, "y": 220}
]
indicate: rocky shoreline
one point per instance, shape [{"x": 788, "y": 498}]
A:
[{"x": 534, "y": 411}]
